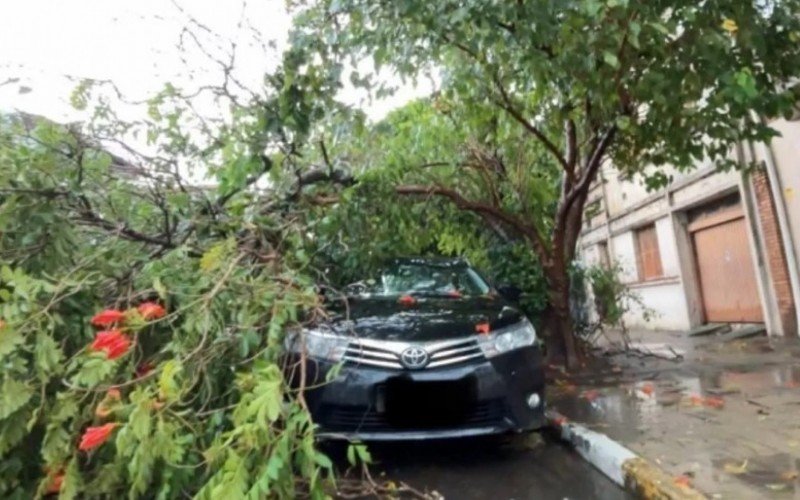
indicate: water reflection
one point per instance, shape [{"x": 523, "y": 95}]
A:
[{"x": 677, "y": 416}]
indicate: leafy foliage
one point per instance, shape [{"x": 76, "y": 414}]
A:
[
  {"x": 541, "y": 94},
  {"x": 208, "y": 280}
]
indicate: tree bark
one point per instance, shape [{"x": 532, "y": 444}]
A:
[{"x": 558, "y": 320}]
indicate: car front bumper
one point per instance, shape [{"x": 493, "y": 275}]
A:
[{"x": 489, "y": 396}]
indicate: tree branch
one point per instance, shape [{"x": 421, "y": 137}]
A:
[
  {"x": 529, "y": 231},
  {"x": 509, "y": 107},
  {"x": 592, "y": 165}
]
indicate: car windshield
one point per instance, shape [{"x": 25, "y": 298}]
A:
[{"x": 429, "y": 279}]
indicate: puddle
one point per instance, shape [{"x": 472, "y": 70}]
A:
[
  {"x": 756, "y": 380},
  {"x": 777, "y": 474},
  {"x": 679, "y": 415}
]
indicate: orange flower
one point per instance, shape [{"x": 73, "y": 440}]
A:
[
  {"x": 102, "y": 410},
  {"x": 683, "y": 481},
  {"x": 108, "y": 318},
  {"x": 113, "y": 342},
  {"x": 105, "y": 407},
  {"x": 95, "y": 436},
  {"x": 55, "y": 484},
  {"x": 151, "y": 310},
  {"x": 696, "y": 400}
]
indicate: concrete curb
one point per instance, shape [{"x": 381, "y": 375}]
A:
[{"x": 632, "y": 472}]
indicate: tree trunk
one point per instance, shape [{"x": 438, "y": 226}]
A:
[{"x": 558, "y": 320}]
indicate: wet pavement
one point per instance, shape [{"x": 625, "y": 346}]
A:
[
  {"x": 725, "y": 416},
  {"x": 491, "y": 468}
]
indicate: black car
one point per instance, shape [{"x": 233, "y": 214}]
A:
[{"x": 427, "y": 350}]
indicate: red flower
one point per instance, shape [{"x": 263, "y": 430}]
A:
[
  {"x": 55, "y": 484},
  {"x": 483, "y": 328},
  {"x": 407, "y": 300},
  {"x": 113, "y": 342},
  {"x": 108, "y": 318},
  {"x": 95, "y": 436},
  {"x": 151, "y": 310}
]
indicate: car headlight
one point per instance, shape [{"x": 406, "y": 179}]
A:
[
  {"x": 506, "y": 339},
  {"x": 319, "y": 344}
]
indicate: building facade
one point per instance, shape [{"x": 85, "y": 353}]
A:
[{"x": 712, "y": 247}]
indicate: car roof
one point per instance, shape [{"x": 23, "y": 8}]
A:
[{"x": 431, "y": 261}]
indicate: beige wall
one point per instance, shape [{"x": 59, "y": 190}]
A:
[{"x": 787, "y": 159}]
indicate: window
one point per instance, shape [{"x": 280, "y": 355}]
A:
[
  {"x": 648, "y": 258},
  {"x": 430, "y": 279}
]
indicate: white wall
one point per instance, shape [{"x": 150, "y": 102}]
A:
[
  {"x": 668, "y": 304},
  {"x": 624, "y": 194},
  {"x": 665, "y": 298},
  {"x": 624, "y": 251}
]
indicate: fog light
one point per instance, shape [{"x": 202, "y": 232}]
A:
[{"x": 534, "y": 401}]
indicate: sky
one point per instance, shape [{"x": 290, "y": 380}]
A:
[{"x": 46, "y": 46}]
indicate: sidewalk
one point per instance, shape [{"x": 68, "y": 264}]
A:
[{"x": 725, "y": 418}]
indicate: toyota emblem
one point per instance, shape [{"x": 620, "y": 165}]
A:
[{"x": 414, "y": 358}]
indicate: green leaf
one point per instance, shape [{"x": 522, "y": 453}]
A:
[
  {"x": 159, "y": 287},
  {"x": 10, "y": 338},
  {"x": 322, "y": 460},
  {"x": 274, "y": 466},
  {"x": 357, "y": 452},
  {"x": 15, "y": 395},
  {"x": 73, "y": 482},
  {"x": 363, "y": 454},
  {"x": 624, "y": 122},
  {"x": 611, "y": 59},
  {"x": 95, "y": 369},
  {"x": 13, "y": 429},
  {"x": 140, "y": 421},
  {"x": 48, "y": 356},
  {"x": 168, "y": 386}
]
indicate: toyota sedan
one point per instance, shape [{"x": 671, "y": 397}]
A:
[{"x": 428, "y": 349}]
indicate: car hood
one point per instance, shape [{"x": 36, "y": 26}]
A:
[{"x": 428, "y": 319}]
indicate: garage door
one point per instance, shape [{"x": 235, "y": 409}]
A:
[{"x": 725, "y": 265}]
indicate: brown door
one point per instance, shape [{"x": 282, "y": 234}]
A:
[{"x": 725, "y": 266}]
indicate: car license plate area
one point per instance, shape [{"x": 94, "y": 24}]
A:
[{"x": 413, "y": 404}]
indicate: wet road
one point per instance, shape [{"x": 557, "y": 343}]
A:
[{"x": 494, "y": 469}]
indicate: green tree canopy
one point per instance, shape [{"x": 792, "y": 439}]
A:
[{"x": 645, "y": 85}]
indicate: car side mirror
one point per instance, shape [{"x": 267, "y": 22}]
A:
[{"x": 510, "y": 292}]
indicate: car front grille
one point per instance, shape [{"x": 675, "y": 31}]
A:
[
  {"x": 387, "y": 354},
  {"x": 361, "y": 419}
]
